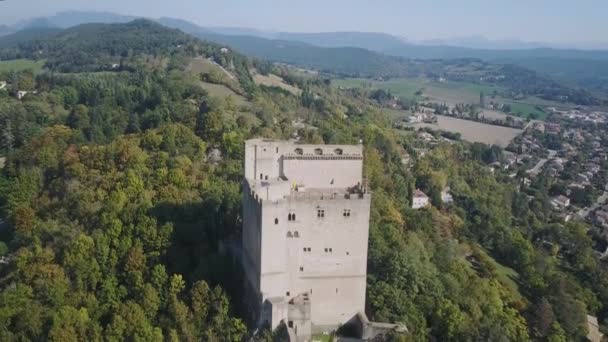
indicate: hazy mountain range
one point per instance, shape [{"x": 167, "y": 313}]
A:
[
  {"x": 374, "y": 41},
  {"x": 577, "y": 67}
]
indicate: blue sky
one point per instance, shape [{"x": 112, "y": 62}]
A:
[{"x": 553, "y": 21}]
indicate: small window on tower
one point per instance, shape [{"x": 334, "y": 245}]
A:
[
  {"x": 296, "y": 234},
  {"x": 277, "y": 150},
  {"x": 325, "y": 250},
  {"x": 287, "y": 293},
  {"x": 309, "y": 249},
  {"x": 276, "y": 221},
  {"x": 266, "y": 177},
  {"x": 320, "y": 213},
  {"x": 293, "y": 217},
  {"x": 301, "y": 269},
  {"x": 261, "y": 176},
  {"x": 331, "y": 250}
]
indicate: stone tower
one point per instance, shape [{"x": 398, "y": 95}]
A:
[{"x": 305, "y": 233}]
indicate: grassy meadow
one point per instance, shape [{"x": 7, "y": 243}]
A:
[{"x": 20, "y": 65}]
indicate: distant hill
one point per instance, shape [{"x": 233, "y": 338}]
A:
[
  {"x": 347, "y": 60},
  {"x": 380, "y": 42},
  {"x": 91, "y": 47},
  {"x": 14, "y": 39},
  {"x": 4, "y": 30},
  {"x": 75, "y": 18},
  {"x": 483, "y": 43},
  {"x": 119, "y": 47}
]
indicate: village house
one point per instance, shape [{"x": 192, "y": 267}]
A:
[
  {"x": 582, "y": 178},
  {"x": 420, "y": 199},
  {"x": 406, "y": 160},
  {"x": 560, "y": 202},
  {"x": 214, "y": 156},
  {"x": 509, "y": 161},
  {"x": 446, "y": 196},
  {"x": 539, "y": 126},
  {"x": 552, "y": 128},
  {"x": 428, "y": 137},
  {"x": 414, "y": 118},
  {"x": 21, "y": 94},
  {"x": 426, "y": 110},
  {"x": 593, "y": 327}
]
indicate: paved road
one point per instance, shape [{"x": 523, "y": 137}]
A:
[{"x": 536, "y": 169}]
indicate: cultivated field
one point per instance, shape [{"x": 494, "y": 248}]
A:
[
  {"x": 21, "y": 64},
  {"x": 449, "y": 92},
  {"x": 202, "y": 65},
  {"x": 475, "y": 131},
  {"x": 271, "y": 80},
  {"x": 220, "y": 90}
]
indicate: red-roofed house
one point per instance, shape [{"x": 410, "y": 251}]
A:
[{"x": 420, "y": 200}]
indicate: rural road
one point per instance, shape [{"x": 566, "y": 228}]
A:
[{"x": 536, "y": 169}]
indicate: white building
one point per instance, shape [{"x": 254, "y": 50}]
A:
[
  {"x": 420, "y": 200},
  {"x": 305, "y": 233},
  {"x": 21, "y": 94},
  {"x": 560, "y": 202},
  {"x": 446, "y": 195},
  {"x": 3, "y": 85}
]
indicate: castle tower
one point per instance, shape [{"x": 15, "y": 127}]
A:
[{"x": 305, "y": 233}]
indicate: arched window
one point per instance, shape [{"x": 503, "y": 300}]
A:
[
  {"x": 298, "y": 151},
  {"x": 339, "y": 151},
  {"x": 289, "y": 235},
  {"x": 276, "y": 221},
  {"x": 293, "y": 217},
  {"x": 289, "y": 217},
  {"x": 296, "y": 234},
  {"x": 318, "y": 151}
]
